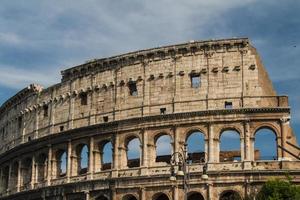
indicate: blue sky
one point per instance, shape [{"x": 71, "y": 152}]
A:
[{"x": 40, "y": 38}]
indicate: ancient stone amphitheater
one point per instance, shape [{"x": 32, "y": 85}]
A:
[{"x": 208, "y": 87}]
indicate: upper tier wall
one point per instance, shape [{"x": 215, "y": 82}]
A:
[{"x": 229, "y": 71}]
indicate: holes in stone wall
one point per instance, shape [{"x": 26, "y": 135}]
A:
[
  {"x": 82, "y": 158},
  {"x": 61, "y": 163},
  {"x": 265, "y": 145},
  {"x": 132, "y": 88},
  {"x": 196, "y": 147},
  {"x": 133, "y": 152},
  {"x": 45, "y": 110},
  {"x": 163, "y": 111},
  {"x": 164, "y": 149},
  {"x": 105, "y": 118},
  {"x": 228, "y": 105},
  {"x": 84, "y": 98},
  {"x": 230, "y": 146},
  {"x": 106, "y": 156}
]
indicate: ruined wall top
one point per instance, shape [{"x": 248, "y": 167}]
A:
[{"x": 97, "y": 65}]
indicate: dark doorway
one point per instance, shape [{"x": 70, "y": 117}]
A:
[
  {"x": 195, "y": 196},
  {"x": 161, "y": 197},
  {"x": 230, "y": 195}
]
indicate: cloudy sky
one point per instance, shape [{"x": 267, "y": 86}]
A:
[{"x": 40, "y": 38}]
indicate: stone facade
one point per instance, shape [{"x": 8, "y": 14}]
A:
[{"x": 205, "y": 86}]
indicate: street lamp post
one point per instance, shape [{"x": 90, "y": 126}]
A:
[{"x": 180, "y": 160}]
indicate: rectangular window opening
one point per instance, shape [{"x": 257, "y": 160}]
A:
[
  {"x": 19, "y": 122},
  {"x": 61, "y": 128},
  {"x": 163, "y": 111},
  {"x": 84, "y": 99},
  {"x": 228, "y": 104},
  {"x": 105, "y": 118},
  {"x": 195, "y": 80},
  {"x": 133, "y": 89},
  {"x": 45, "y": 109}
]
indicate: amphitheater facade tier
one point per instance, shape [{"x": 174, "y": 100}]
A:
[{"x": 205, "y": 87}]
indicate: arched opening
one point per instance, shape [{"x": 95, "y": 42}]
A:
[
  {"x": 106, "y": 155},
  {"x": 133, "y": 152},
  {"x": 41, "y": 164},
  {"x": 82, "y": 153},
  {"x": 265, "y": 145},
  {"x": 102, "y": 197},
  {"x": 230, "y": 195},
  {"x": 26, "y": 172},
  {"x": 160, "y": 196},
  {"x": 230, "y": 146},
  {"x": 129, "y": 197},
  {"x": 195, "y": 196},
  {"x": 14, "y": 175},
  {"x": 61, "y": 167},
  {"x": 164, "y": 149},
  {"x": 196, "y": 147}
]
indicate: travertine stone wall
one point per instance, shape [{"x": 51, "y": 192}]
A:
[
  {"x": 92, "y": 106},
  {"x": 230, "y": 70}
]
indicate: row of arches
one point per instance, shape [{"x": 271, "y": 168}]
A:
[
  {"x": 230, "y": 150},
  {"x": 36, "y": 170},
  {"x": 225, "y": 195}
]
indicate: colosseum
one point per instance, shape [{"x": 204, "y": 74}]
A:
[{"x": 71, "y": 141}]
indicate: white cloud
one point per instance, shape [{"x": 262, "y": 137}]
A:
[{"x": 21, "y": 78}]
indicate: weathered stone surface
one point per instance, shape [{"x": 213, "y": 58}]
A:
[{"x": 144, "y": 95}]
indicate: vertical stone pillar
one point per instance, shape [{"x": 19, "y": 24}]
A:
[
  {"x": 175, "y": 141},
  {"x": 248, "y": 149},
  {"x": 284, "y": 123},
  {"x": 19, "y": 176},
  {"x": 142, "y": 193},
  {"x": 145, "y": 149},
  {"x": 91, "y": 157},
  {"x": 145, "y": 156},
  {"x": 87, "y": 195},
  {"x": 115, "y": 155},
  {"x": 49, "y": 169},
  {"x": 242, "y": 147},
  {"x": 36, "y": 132},
  {"x": 210, "y": 143},
  {"x": 33, "y": 172},
  {"x": 175, "y": 192},
  {"x": 9, "y": 186},
  {"x": 52, "y": 117},
  {"x": 69, "y": 160},
  {"x": 71, "y": 106}
]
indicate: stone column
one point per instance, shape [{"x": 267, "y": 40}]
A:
[
  {"x": 175, "y": 192},
  {"x": 176, "y": 147},
  {"x": 248, "y": 149},
  {"x": 49, "y": 172},
  {"x": 145, "y": 156},
  {"x": 87, "y": 195},
  {"x": 69, "y": 160},
  {"x": 210, "y": 143},
  {"x": 91, "y": 157},
  {"x": 145, "y": 149},
  {"x": 142, "y": 193},
  {"x": 33, "y": 172},
  {"x": 9, "y": 177},
  {"x": 242, "y": 147},
  {"x": 115, "y": 164},
  {"x": 19, "y": 176},
  {"x": 284, "y": 123},
  {"x": 52, "y": 115}
]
